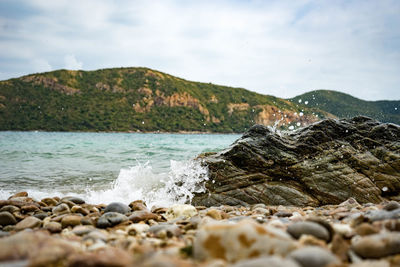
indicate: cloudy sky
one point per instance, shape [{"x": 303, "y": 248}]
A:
[{"x": 282, "y": 48}]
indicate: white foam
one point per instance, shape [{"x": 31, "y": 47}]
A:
[
  {"x": 177, "y": 186},
  {"x": 140, "y": 182}
]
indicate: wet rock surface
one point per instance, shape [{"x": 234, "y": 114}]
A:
[
  {"x": 324, "y": 163},
  {"x": 185, "y": 235}
]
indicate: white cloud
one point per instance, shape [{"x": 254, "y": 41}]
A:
[
  {"x": 283, "y": 48},
  {"x": 40, "y": 65},
  {"x": 71, "y": 63}
]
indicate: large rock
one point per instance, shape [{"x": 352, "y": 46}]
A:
[{"x": 324, "y": 163}]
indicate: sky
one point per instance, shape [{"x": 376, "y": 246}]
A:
[{"x": 282, "y": 48}]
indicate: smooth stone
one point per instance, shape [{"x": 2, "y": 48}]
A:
[
  {"x": 283, "y": 214},
  {"x": 308, "y": 228},
  {"x": 376, "y": 245},
  {"x": 10, "y": 208},
  {"x": 343, "y": 229},
  {"x": 380, "y": 215},
  {"x": 138, "y": 205},
  {"x": 215, "y": 214},
  {"x": 71, "y": 220},
  {"x": 7, "y": 218},
  {"x": 49, "y": 201},
  {"x": 29, "y": 208},
  {"x": 61, "y": 209},
  {"x": 273, "y": 261},
  {"x": 53, "y": 227},
  {"x": 110, "y": 219},
  {"x": 28, "y": 222},
  {"x": 142, "y": 215},
  {"x": 366, "y": 229},
  {"x": 117, "y": 207},
  {"x": 137, "y": 228},
  {"x": 180, "y": 210},
  {"x": 96, "y": 235},
  {"x": 170, "y": 230},
  {"x": 340, "y": 247},
  {"x": 237, "y": 241},
  {"x": 75, "y": 200},
  {"x": 19, "y": 194},
  {"x": 313, "y": 256},
  {"x": 82, "y": 230},
  {"x": 79, "y": 209},
  {"x": 392, "y": 205},
  {"x": 41, "y": 215}
]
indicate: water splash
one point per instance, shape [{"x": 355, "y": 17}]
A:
[{"x": 140, "y": 182}]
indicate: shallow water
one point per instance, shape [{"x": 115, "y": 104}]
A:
[{"x": 105, "y": 167}]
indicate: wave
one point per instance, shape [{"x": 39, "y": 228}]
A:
[{"x": 177, "y": 185}]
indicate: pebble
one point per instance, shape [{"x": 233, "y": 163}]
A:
[
  {"x": 313, "y": 257},
  {"x": 41, "y": 215},
  {"x": 138, "y": 205},
  {"x": 110, "y": 219},
  {"x": 365, "y": 229},
  {"x": 10, "y": 208},
  {"x": 28, "y": 222},
  {"x": 137, "y": 228},
  {"x": 308, "y": 228},
  {"x": 61, "y": 209},
  {"x": 53, "y": 227},
  {"x": 6, "y": 218},
  {"x": 75, "y": 200},
  {"x": 273, "y": 261},
  {"x": 180, "y": 210},
  {"x": 165, "y": 230},
  {"x": 142, "y": 215},
  {"x": 29, "y": 208},
  {"x": 49, "y": 201},
  {"x": 79, "y": 209},
  {"x": 117, "y": 207},
  {"x": 82, "y": 230},
  {"x": 377, "y": 245},
  {"x": 236, "y": 241},
  {"x": 71, "y": 220},
  {"x": 215, "y": 214},
  {"x": 392, "y": 205}
]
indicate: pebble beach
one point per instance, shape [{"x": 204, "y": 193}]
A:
[{"x": 70, "y": 232}]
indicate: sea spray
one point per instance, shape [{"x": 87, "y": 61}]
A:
[{"x": 140, "y": 182}]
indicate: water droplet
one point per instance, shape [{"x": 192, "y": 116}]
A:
[
  {"x": 306, "y": 102},
  {"x": 301, "y": 114},
  {"x": 299, "y": 100},
  {"x": 298, "y": 124},
  {"x": 395, "y": 108},
  {"x": 142, "y": 122},
  {"x": 384, "y": 189},
  {"x": 291, "y": 127}
]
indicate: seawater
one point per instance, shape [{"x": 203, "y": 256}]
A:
[{"x": 105, "y": 167}]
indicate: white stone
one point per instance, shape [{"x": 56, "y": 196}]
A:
[{"x": 180, "y": 210}]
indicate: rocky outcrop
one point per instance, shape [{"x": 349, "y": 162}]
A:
[
  {"x": 324, "y": 163},
  {"x": 51, "y": 83}
]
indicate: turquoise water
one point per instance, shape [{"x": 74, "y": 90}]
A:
[{"x": 102, "y": 167}]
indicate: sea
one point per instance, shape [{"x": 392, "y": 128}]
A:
[{"x": 161, "y": 169}]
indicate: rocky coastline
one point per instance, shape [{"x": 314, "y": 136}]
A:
[
  {"x": 325, "y": 195},
  {"x": 70, "y": 232}
]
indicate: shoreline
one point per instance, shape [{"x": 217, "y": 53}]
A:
[
  {"x": 125, "y": 132},
  {"x": 70, "y": 232}
]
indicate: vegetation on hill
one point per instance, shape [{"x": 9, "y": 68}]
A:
[
  {"x": 346, "y": 106},
  {"x": 137, "y": 99}
]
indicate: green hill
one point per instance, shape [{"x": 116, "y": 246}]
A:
[
  {"x": 137, "y": 99},
  {"x": 141, "y": 99},
  {"x": 345, "y": 106}
]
